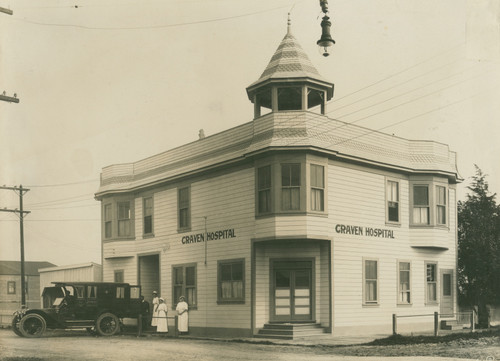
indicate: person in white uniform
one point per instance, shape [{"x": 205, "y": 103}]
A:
[
  {"x": 182, "y": 312},
  {"x": 162, "y": 325},
  {"x": 154, "y": 314}
]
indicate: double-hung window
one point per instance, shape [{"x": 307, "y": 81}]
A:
[
  {"x": 123, "y": 219},
  {"x": 108, "y": 216},
  {"x": 370, "y": 284},
  {"x": 148, "y": 215},
  {"x": 264, "y": 189},
  {"x": 404, "y": 283},
  {"x": 317, "y": 188},
  {"x": 184, "y": 208},
  {"x": 184, "y": 283},
  {"x": 441, "y": 205},
  {"x": 119, "y": 276},
  {"x": 431, "y": 282},
  {"x": 231, "y": 279},
  {"x": 290, "y": 187},
  {"x": 392, "y": 194},
  {"x": 11, "y": 287},
  {"x": 421, "y": 204}
]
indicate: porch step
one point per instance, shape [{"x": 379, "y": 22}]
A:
[
  {"x": 290, "y": 331},
  {"x": 452, "y": 325}
]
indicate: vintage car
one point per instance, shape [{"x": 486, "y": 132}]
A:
[{"x": 96, "y": 306}]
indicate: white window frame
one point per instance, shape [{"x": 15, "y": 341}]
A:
[
  {"x": 108, "y": 220},
  {"x": 184, "y": 286},
  {"x": 317, "y": 188},
  {"x": 266, "y": 189},
  {"x": 145, "y": 214},
  {"x": 220, "y": 264},
  {"x": 126, "y": 220},
  {"x": 435, "y": 282},
  {"x": 420, "y": 207},
  {"x": 367, "y": 302},
  {"x": 291, "y": 187},
  {"x": 119, "y": 273},
  {"x": 440, "y": 205},
  {"x": 389, "y": 199},
  {"x": 184, "y": 205},
  {"x": 400, "y": 290},
  {"x": 11, "y": 287}
]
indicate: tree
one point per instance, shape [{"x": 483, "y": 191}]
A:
[{"x": 479, "y": 247}]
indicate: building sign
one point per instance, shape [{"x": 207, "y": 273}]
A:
[
  {"x": 364, "y": 231},
  {"x": 211, "y": 236}
]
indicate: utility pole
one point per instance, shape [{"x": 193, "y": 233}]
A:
[
  {"x": 6, "y": 98},
  {"x": 20, "y": 212},
  {"x": 7, "y": 11}
]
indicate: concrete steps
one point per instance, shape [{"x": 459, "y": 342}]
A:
[{"x": 291, "y": 331}]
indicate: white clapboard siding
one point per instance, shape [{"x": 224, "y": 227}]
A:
[{"x": 358, "y": 198}]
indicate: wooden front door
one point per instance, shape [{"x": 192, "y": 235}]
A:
[
  {"x": 291, "y": 291},
  {"x": 447, "y": 286}
]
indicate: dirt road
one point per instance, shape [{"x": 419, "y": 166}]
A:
[{"x": 78, "y": 346}]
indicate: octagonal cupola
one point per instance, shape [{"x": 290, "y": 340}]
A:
[{"x": 290, "y": 81}]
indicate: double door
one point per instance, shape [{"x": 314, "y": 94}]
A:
[{"x": 291, "y": 291}]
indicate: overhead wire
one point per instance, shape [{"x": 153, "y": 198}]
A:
[
  {"x": 151, "y": 26},
  {"x": 63, "y": 184}
]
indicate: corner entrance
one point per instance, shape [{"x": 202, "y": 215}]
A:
[
  {"x": 291, "y": 290},
  {"x": 446, "y": 302}
]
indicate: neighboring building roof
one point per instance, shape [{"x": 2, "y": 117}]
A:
[
  {"x": 74, "y": 266},
  {"x": 30, "y": 267}
]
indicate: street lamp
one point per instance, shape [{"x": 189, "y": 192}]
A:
[{"x": 325, "y": 42}]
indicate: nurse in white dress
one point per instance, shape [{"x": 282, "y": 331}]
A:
[
  {"x": 182, "y": 312},
  {"x": 154, "y": 314},
  {"x": 162, "y": 325}
]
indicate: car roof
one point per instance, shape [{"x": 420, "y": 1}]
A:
[{"x": 80, "y": 283}]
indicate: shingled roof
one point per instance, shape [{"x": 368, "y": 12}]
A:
[{"x": 289, "y": 61}]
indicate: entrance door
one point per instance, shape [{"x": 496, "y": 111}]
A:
[
  {"x": 292, "y": 291},
  {"x": 149, "y": 276},
  {"x": 446, "y": 304}
]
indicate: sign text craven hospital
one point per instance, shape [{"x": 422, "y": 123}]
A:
[
  {"x": 200, "y": 237},
  {"x": 339, "y": 228},
  {"x": 364, "y": 231}
]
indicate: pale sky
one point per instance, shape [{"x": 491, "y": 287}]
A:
[{"x": 115, "y": 81}]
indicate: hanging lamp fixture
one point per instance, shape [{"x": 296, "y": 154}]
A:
[{"x": 326, "y": 42}]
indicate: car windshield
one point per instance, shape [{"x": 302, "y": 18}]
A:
[{"x": 58, "y": 301}]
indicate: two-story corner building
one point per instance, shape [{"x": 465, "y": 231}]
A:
[{"x": 293, "y": 217}]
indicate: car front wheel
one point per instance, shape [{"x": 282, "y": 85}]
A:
[
  {"x": 107, "y": 324},
  {"x": 32, "y": 325}
]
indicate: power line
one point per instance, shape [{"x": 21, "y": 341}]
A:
[
  {"x": 395, "y": 86},
  {"x": 412, "y": 100},
  {"x": 57, "y": 208},
  {"x": 64, "y": 184},
  {"x": 53, "y": 220},
  {"x": 400, "y": 72},
  {"x": 64, "y": 199},
  {"x": 152, "y": 26},
  {"x": 411, "y": 118}
]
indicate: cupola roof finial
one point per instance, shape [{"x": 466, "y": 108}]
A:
[{"x": 289, "y": 25}]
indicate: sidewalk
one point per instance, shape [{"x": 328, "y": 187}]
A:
[{"x": 326, "y": 340}]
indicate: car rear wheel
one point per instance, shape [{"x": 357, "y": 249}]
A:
[
  {"x": 15, "y": 325},
  {"x": 32, "y": 325},
  {"x": 107, "y": 324}
]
